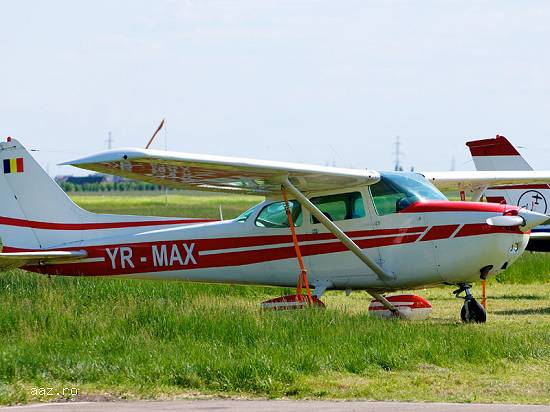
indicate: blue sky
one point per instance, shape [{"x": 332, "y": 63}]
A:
[{"x": 309, "y": 81}]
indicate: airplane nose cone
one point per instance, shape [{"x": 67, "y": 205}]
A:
[{"x": 532, "y": 219}]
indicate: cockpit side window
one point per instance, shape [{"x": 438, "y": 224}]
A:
[
  {"x": 385, "y": 197},
  {"x": 274, "y": 215},
  {"x": 342, "y": 206}
]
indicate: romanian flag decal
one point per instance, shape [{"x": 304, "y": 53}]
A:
[{"x": 13, "y": 165}]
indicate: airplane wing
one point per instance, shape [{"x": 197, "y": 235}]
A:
[
  {"x": 18, "y": 259},
  {"x": 474, "y": 181},
  {"x": 220, "y": 173}
]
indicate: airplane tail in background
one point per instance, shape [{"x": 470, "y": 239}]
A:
[
  {"x": 499, "y": 154},
  {"x": 496, "y": 154},
  {"x": 36, "y": 214}
]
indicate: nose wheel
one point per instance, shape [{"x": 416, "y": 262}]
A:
[{"x": 472, "y": 311}]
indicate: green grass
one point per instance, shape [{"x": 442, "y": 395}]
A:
[
  {"x": 146, "y": 339},
  {"x": 164, "y": 339},
  {"x": 532, "y": 267},
  {"x": 175, "y": 204}
]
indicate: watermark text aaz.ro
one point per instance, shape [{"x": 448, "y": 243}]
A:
[{"x": 54, "y": 391}]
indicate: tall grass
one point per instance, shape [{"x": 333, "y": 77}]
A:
[
  {"x": 147, "y": 336},
  {"x": 531, "y": 267}
]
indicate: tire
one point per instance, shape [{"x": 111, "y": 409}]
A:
[{"x": 476, "y": 312}]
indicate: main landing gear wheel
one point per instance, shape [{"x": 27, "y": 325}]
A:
[{"x": 472, "y": 311}]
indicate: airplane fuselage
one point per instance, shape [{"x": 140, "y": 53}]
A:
[{"x": 426, "y": 244}]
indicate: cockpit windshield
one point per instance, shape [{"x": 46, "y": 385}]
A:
[
  {"x": 397, "y": 190},
  {"x": 245, "y": 215}
]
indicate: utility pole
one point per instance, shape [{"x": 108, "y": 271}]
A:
[
  {"x": 109, "y": 141},
  {"x": 397, "y": 153},
  {"x": 166, "y": 187}
]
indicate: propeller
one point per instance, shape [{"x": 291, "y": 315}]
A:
[{"x": 506, "y": 221}]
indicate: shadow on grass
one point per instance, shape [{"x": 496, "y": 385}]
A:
[
  {"x": 517, "y": 297},
  {"x": 537, "y": 311}
]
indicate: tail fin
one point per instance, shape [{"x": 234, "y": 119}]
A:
[
  {"x": 496, "y": 154},
  {"x": 29, "y": 198},
  {"x": 36, "y": 214},
  {"x": 500, "y": 154}
]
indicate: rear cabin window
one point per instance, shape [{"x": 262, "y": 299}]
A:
[
  {"x": 343, "y": 206},
  {"x": 274, "y": 215}
]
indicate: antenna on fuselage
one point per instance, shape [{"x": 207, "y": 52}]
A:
[{"x": 154, "y": 134}]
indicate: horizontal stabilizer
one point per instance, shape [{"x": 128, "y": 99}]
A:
[{"x": 18, "y": 259}]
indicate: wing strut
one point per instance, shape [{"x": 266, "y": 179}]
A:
[
  {"x": 345, "y": 239},
  {"x": 302, "y": 279}
]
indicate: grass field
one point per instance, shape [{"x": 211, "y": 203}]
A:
[
  {"x": 146, "y": 339},
  {"x": 175, "y": 204}
]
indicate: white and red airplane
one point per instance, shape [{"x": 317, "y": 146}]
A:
[
  {"x": 356, "y": 229},
  {"x": 499, "y": 154}
]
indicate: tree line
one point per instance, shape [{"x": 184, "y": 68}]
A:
[{"x": 109, "y": 187}]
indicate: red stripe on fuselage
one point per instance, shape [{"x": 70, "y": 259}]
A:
[
  {"x": 476, "y": 229},
  {"x": 237, "y": 258},
  {"x": 439, "y": 232},
  {"x": 446, "y": 206},
  {"x": 232, "y": 258},
  {"x": 9, "y": 221},
  {"x": 249, "y": 241}
]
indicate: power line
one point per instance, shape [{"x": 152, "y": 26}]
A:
[
  {"x": 397, "y": 153},
  {"x": 109, "y": 141}
]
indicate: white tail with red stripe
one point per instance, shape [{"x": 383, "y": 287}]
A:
[
  {"x": 496, "y": 154},
  {"x": 29, "y": 194},
  {"x": 499, "y": 154}
]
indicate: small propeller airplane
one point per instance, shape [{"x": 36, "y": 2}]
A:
[
  {"x": 353, "y": 229},
  {"x": 499, "y": 154}
]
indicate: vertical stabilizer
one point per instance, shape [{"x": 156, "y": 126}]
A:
[
  {"x": 500, "y": 154},
  {"x": 496, "y": 154},
  {"x": 30, "y": 199}
]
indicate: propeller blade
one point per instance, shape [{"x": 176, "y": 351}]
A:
[{"x": 505, "y": 221}]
